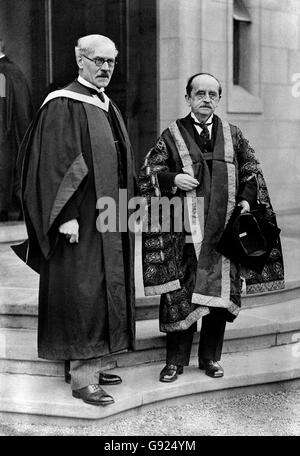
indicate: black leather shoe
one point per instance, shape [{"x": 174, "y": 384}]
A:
[
  {"x": 212, "y": 368},
  {"x": 109, "y": 379},
  {"x": 93, "y": 394},
  {"x": 104, "y": 379},
  {"x": 170, "y": 372}
]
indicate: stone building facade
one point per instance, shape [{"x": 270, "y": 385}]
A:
[
  {"x": 197, "y": 35},
  {"x": 252, "y": 46}
]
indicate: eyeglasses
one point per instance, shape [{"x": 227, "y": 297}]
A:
[
  {"x": 202, "y": 94},
  {"x": 100, "y": 61}
]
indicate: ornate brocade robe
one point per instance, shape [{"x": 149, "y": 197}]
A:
[{"x": 193, "y": 277}]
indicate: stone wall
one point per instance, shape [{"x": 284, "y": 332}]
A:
[{"x": 196, "y": 35}]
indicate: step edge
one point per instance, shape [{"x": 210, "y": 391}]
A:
[
  {"x": 152, "y": 396},
  {"x": 269, "y": 328},
  {"x": 30, "y": 309}
]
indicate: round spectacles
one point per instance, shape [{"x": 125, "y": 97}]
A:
[
  {"x": 100, "y": 61},
  {"x": 202, "y": 94}
]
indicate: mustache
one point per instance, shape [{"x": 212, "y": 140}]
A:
[{"x": 104, "y": 74}]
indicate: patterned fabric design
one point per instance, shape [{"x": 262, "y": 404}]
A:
[
  {"x": 263, "y": 287},
  {"x": 176, "y": 306},
  {"x": 182, "y": 325},
  {"x": 157, "y": 242},
  {"x": 168, "y": 263},
  {"x": 273, "y": 271},
  {"x": 160, "y": 255},
  {"x": 155, "y": 274}
]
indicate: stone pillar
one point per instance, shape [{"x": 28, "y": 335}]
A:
[{"x": 179, "y": 54}]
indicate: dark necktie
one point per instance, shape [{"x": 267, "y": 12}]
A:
[
  {"x": 99, "y": 94},
  {"x": 204, "y": 135}
]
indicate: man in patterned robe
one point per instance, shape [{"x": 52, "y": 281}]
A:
[{"x": 202, "y": 159}]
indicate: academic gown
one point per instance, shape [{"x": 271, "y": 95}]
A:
[
  {"x": 185, "y": 267},
  {"x": 15, "y": 115},
  {"x": 86, "y": 293}
]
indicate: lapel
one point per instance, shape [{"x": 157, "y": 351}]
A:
[
  {"x": 218, "y": 139},
  {"x": 189, "y": 126},
  {"x": 191, "y": 138}
]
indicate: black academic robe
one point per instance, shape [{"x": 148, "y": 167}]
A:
[
  {"x": 86, "y": 294},
  {"x": 15, "y": 115}
]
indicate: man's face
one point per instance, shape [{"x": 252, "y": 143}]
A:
[
  {"x": 98, "y": 75},
  {"x": 204, "y": 96}
]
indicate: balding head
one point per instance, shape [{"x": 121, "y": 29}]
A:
[
  {"x": 189, "y": 85},
  {"x": 203, "y": 95}
]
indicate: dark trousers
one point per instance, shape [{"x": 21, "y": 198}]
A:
[{"x": 179, "y": 343}]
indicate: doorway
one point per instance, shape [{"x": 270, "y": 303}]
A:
[{"x": 131, "y": 24}]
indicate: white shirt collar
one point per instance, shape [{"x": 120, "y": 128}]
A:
[
  {"x": 198, "y": 128},
  {"x": 1, "y": 56},
  {"x": 209, "y": 120},
  {"x": 89, "y": 84}
]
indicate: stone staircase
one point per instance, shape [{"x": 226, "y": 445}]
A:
[{"x": 261, "y": 346}]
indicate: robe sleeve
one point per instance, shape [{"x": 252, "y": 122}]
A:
[
  {"x": 249, "y": 168},
  {"x": 155, "y": 164},
  {"x": 157, "y": 173},
  {"x": 160, "y": 268},
  {"x": 56, "y": 167},
  {"x": 69, "y": 212}
]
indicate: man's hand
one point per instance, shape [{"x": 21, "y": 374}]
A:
[
  {"x": 70, "y": 230},
  {"x": 245, "y": 206},
  {"x": 185, "y": 182}
]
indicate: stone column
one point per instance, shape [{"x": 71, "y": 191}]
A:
[{"x": 179, "y": 54}]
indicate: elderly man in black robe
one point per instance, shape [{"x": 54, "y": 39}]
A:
[
  {"x": 15, "y": 115},
  {"x": 209, "y": 165},
  {"x": 76, "y": 153}
]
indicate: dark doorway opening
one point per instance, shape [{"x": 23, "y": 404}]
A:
[
  {"x": 131, "y": 24},
  {"x": 41, "y": 36}
]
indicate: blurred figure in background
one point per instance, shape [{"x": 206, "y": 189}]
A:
[{"x": 15, "y": 115}]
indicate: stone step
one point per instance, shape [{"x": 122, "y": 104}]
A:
[
  {"x": 12, "y": 232},
  {"x": 19, "y": 284},
  {"x": 19, "y": 309},
  {"x": 256, "y": 328},
  {"x": 48, "y": 400},
  {"x": 148, "y": 307}
]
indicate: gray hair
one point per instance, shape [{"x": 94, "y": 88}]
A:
[{"x": 87, "y": 44}]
